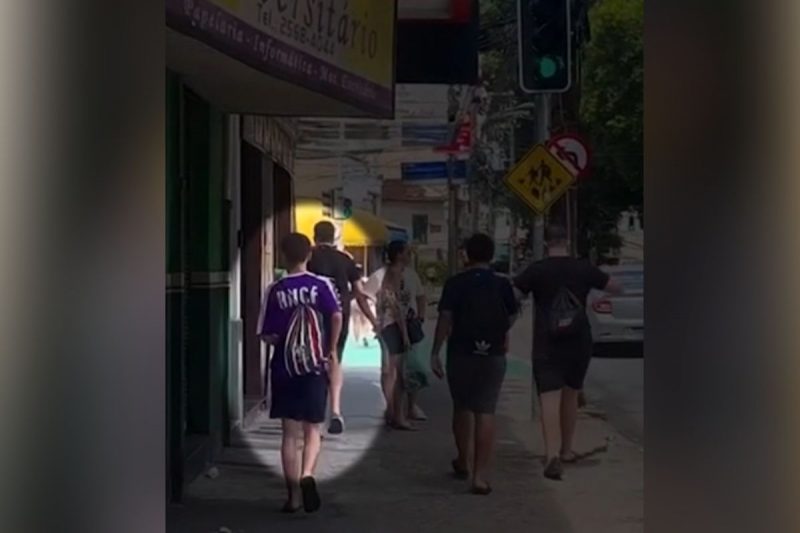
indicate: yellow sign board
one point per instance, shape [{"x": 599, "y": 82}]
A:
[
  {"x": 539, "y": 179},
  {"x": 356, "y": 36},
  {"x": 341, "y": 48}
]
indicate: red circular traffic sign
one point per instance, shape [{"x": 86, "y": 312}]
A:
[{"x": 573, "y": 152}]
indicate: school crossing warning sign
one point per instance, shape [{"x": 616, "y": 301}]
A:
[{"x": 539, "y": 179}]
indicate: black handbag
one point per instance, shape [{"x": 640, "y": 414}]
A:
[{"x": 415, "y": 333}]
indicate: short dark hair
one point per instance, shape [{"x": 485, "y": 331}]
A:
[
  {"x": 479, "y": 248},
  {"x": 393, "y": 250},
  {"x": 296, "y": 248},
  {"x": 556, "y": 234},
  {"x": 324, "y": 232}
]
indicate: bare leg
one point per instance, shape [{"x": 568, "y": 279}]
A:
[
  {"x": 337, "y": 380},
  {"x": 414, "y": 411},
  {"x": 311, "y": 448},
  {"x": 462, "y": 431},
  {"x": 484, "y": 444},
  {"x": 399, "y": 394},
  {"x": 569, "y": 417},
  {"x": 551, "y": 422},
  {"x": 388, "y": 378},
  {"x": 290, "y": 457}
]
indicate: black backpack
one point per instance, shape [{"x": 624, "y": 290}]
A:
[
  {"x": 567, "y": 316},
  {"x": 484, "y": 319}
]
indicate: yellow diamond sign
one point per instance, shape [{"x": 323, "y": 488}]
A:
[{"x": 539, "y": 179}]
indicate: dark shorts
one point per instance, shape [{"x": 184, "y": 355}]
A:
[
  {"x": 563, "y": 365},
  {"x": 475, "y": 381},
  {"x": 299, "y": 398},
  {"x": 392, "y": 338}
]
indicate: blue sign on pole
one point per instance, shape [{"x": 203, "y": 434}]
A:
[{"x": 433, "y": 171}]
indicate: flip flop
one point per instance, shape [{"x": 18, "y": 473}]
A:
[
  {"x": 570, "y": 458},
  {"x": 403, "y": 427},
  {"x": 481, "y": 491},
  {"x": 288, "y": 508},
  {"x": 461, "y": 473},
  {"x": 311, "y": 500}
]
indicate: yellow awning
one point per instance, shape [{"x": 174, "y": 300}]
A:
[{"x": 362, "y": 229}]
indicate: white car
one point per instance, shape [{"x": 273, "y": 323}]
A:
[{"x": 619, "y": 319}]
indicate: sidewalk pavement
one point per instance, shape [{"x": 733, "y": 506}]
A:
[{"x": 376, "y": 480}]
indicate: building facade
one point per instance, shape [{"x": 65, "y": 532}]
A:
[{"x": 234, "y": 82}]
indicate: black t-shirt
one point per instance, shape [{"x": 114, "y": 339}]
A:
[
  {"x": 544, "y": 279},
  {"x": 329, "y": 262},
  {"x": 458, "y": 286}
]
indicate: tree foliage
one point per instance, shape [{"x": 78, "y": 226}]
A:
[
  {"x": 610, "y": 95},
  {"x": 612, "y": 115}
]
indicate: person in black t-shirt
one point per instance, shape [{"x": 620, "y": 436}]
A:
[
  {"x": 331, "y": 263},
  {"x": 560, "y": 362},
  {"x": 476, "y": 311}
]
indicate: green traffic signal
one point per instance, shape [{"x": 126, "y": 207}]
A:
[
  {"x": 544, "y": 45},
  {"x": 547, "y": 67}
]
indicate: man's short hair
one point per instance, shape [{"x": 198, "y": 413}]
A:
[
  {"x": 296, "y": 248},
  {"x": 324, "y": 232},
  {"x": 479, "y": 248},
  {"x": 556, "y": 234}
]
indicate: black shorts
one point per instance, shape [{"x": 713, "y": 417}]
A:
[
  {"x": 302, "y": 398},
  {"x": 563, "y": 365},
  {"x": 475, "y": 381}
]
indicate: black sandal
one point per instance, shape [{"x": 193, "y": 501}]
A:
[
  {"x": 461, "y": 473},
  {"x": 554, "y": 471},
  {"x": 311, "y": 500}
]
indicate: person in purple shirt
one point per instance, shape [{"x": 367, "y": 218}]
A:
[{"x": 302, "y": 319}]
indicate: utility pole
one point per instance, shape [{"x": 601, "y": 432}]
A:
[
  {"x": 542, "y": 134},
  {"x": 452, "y": 214}
]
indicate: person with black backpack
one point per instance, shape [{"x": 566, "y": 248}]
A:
[
  {"x": 562, "y": 340},
  {"x": 476, "y": 311}
]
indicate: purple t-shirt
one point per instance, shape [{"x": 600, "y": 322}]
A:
[{"x": 283, "y": 296}]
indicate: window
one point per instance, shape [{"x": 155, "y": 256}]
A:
[{"x": 419, "y": 229}]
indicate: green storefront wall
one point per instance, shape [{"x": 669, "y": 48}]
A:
[{"x": 197, "y": 296}]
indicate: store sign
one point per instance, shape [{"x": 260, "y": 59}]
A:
[{"x": 341, "y": 48}]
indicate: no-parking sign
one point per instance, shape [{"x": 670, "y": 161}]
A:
[{"x": 572, "y": 151}]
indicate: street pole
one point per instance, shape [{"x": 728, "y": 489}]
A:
[
  {"x": 542, "y": 134},
  {"x": 452, "y": 223}
]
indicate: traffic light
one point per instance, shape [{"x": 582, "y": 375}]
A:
[
  {"x": 545, "y": 46},
  {"x": 347, "y": 208}
]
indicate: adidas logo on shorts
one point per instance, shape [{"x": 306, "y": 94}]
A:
[{"x": 482, "y": 347}]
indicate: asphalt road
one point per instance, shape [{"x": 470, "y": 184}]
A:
[{"x": 616, "y": 385}]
